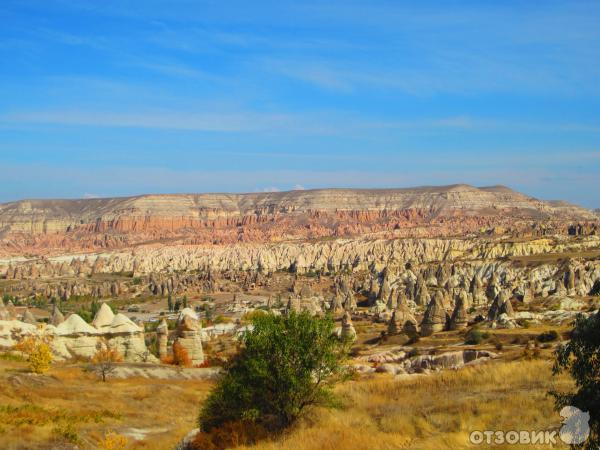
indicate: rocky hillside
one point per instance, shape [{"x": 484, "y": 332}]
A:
[{"x": 87, "y": 224}]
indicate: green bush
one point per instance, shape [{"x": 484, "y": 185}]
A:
[
  {"x": 476, "y": 337},
  {"x": 548, "y": 336},
  {"x": 285, "y": 366}
]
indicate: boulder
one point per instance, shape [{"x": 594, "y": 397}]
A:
[
  {"x": 28, "y": 318},
  {"x": 12, "y": 331},
  {"x": 56, "y": 318},
  {"x": 348, "y": 331}
]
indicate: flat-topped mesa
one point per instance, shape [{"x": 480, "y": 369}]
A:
[{"x": 210, "y": 218}]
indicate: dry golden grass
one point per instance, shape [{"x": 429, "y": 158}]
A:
[
  {"x": 426, "y": 412},
  {"x": 46, "y": 411},
  {"x": 431, "y": 412}
]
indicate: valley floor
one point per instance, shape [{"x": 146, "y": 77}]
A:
[{"x": 69, "y": 407}]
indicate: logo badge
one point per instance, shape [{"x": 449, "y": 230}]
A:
[{"x": 575, "y": 429}]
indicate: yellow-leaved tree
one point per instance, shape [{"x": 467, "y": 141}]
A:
[{"x": 39, "y": 354}]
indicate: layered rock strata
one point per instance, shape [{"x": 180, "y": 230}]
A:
[{"x": 51, "y": 226}]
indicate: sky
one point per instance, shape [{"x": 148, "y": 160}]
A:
[{"x": 126, "y": 97}]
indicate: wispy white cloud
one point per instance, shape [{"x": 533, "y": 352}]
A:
[
  {"x": 319, "y": 123},
  {"x": 233, "y": 122}
]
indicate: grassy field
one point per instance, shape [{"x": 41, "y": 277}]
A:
[
  {"x": 432, "y": 412},
  {"x": 68, "y": 406}
]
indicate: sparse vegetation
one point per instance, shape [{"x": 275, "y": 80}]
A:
[
  {"x": 35, "y": 414},
  {"x": 67, "y": 432},
  {"x": 113, "y": 441},
  {"x": 429, "y": 413},
  {"x": 104, "y": 360}
]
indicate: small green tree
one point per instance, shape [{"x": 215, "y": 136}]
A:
[
  {"x": 209, "y": 312},
  {"x": 285, "y": 366},
  {"x": 170, "y": 303},
  {"x": 580, "y": 357}
]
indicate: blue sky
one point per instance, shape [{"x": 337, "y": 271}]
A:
[{"x": 128, "y": 97}]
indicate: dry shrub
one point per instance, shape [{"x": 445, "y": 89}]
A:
[
  {"x": 230, "y": 435},
  {"x": 179, "y": 357},
  {"x": 104, "y": 359},
  {"x": 66, "y": 432},
  {"x": 113, "y": 441},
  {"x": 26, "y": 345}
]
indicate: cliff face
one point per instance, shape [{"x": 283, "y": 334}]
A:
[{"x": 37, "y": 225}]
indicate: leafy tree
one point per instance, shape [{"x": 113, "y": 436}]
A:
[
  {"x": 177, "y": 305},
  {"x": 40, "y": 358},
  {"x": 170, "y": 302},
  {"x": 580, "y": 357},
  {"x": 39, "y": 354},
  {"x": 285, "y": 366}
]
